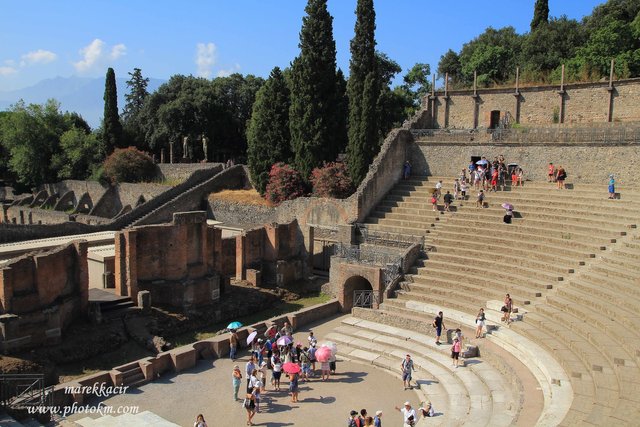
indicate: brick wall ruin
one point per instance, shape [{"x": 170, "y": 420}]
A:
[{"x": 40, "y": 294}]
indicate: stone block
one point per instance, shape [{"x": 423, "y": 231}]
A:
[
  {"x": 183, "y": 358},
  {"x": 254, "y": 277},
  {"x": 144, "y": 301}
]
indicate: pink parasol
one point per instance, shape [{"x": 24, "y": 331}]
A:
[
  {"x": 285, "y": 340},
  {"x": 291, "y": 368},
  {"x": 323, "y": 354},
  {"x": 251, "y": 337}
]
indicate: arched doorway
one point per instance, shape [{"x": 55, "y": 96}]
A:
[{"x": 351, "y": 288}]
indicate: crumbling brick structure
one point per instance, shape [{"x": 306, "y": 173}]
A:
[{"x": 41, "y": 294}]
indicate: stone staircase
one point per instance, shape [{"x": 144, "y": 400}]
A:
[
  {"x": 569, "y": 259},
  {"x": 141, "y": 419}
]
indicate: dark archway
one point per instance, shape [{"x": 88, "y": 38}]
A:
[{"x": 354, "y": 283}]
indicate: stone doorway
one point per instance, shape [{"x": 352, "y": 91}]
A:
[
  {"x": 495, "y": 119},
  {"x": 353, "y": 284}
]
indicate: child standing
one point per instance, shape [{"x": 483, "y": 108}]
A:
[{"x": 480, "y": 199}]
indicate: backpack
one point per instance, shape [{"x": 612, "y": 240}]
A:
[{"x": 351, "y": 423}]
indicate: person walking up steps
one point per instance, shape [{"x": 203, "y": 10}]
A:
[
  {"x": 407, "y": 367},
  {"x": 438, "y": 324}
]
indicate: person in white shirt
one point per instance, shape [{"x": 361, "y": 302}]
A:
[
  {"x": 409, "y": 415},
  {"x": 438, "y": 189}
]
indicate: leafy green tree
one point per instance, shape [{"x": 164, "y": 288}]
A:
[
  {"x": 135, "y": 97},
  {"x": 268, "y": 137},
  {"x": 112, "y": 136},
  {"x": 494, "y": 54},
  {"x": 129, "y": 165},
  {"x": 540, "y": 14},
  {"x": 314, "y": 119},
  {"x": 394, "y": 105},
  {"x": 78, "y": 156},
  {"x": 417, "y": 82},
  {"x": 450, "y": 64},
  {"x": 363, "y": 89}
]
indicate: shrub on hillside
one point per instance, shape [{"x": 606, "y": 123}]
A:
[
  {"x": 331, "y": 180},
  {"x": 285, "y": 183},
  {"x": 129, "y": 165}
]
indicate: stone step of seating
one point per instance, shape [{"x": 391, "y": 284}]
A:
[
  {"x": 603, "y": 280},
  {"x": 444, "y": 287},
  {"x": 481, "y": 273},
  {"x": 609, "y": 297},
  {"x": 397, "y": 230},
  {"x": 548, "y": 373},
  {"x": 465, "y": 255},
  {"x": 489, "y": 268},
  {"x": 547, "y": 228},
  {"x": 560, "y": 263},
  {"x": 142, "y": 419},
  {"x": 618, "y": 345},
  {"x": 452, "y": 299},
  {"x": 482, "y": 385},
  {"x": 498, "y": 244}
]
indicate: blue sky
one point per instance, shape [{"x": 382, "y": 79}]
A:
[{"x": 45, "y": 39}]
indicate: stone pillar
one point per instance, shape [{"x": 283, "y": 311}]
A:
[
  {"x": 83, "y": 276},
  {"x": 240, "y": 256},
  {"x": 310, "y": 248},
  {"x": 517, "y": 96},
  {"x": 162, "y": 156},
  {"x": 144, "y": 301},
  {"x": 6, "y": 289},
  {"x": 171, "y": 152},
  {"x": 561, "y": 92},
  {"x": 612, "y": 91},
  {"x": 126, "y": 264}
]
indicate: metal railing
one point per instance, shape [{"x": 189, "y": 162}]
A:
[
  {"x": 19, "y": 391},
  {"x": 385, "y": 238},
  {"x": 355, "y": 254},
  {"x": 365, "y": 299}
]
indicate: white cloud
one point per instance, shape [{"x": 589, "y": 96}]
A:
[
  {"x": 228, "y": 71},
  {"x": 9, "y": 62},
  {"x": 39, "y": 56},
  {"x": 7, "y": 71},
  {"x": 95, "y": 54},
  {"x": 205, "y": 58},
  {"x": 117, "y": 51}
]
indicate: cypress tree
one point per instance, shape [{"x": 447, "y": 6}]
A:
[
  {"x": 314, "y": 115},
  {"x": 268, "y": 137},
  {"x": 363, "y": 90},
  {"x": 111, "y": 127},
  {"x": 540, "y": 14}
]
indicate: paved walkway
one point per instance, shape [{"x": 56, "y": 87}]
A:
[{"x": 207, "y": 389}]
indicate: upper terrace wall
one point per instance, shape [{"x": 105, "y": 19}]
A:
[{"x": 536, "y": 105}]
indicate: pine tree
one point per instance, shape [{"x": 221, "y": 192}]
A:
[
  {"x": 268, "y": 137},
  {"x": 137, "y": 94},
  {"x": 540, "y": 14},
  {"x": 314, "y": 115},
  {"x": 111, "y": 127},
  {"x": 363, "y": 90}
]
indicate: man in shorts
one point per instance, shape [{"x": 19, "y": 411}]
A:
[
  {"x": 438, "y": 324},
  {"x": 407, "y": 367}
]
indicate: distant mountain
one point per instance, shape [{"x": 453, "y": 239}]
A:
[{"x": 80, "y": 94}]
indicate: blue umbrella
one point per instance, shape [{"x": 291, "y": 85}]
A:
[{"x": 234, "y": 325}]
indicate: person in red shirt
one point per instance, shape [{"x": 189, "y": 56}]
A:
[{"x": 552, "y": 172}]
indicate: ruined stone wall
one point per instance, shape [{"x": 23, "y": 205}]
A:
[
  {"x": 40, "y": 294},
  {"x": 584, "y": 162},
  {"x": 536, "y": 106},
  {"x": 239, "y": 214},
  {"x": 178, "y": 172}
]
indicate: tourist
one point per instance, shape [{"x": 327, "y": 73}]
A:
[
  {"x": 406, "y": 170},
  {"x": 262, "y": 376},
  {"x": 506, "y": 309},
  {"x": 250, "y": 405},
  {"x": 448, "y": 199},
  {"x": 463, "y": 175},
  {"x": 276, "y": 365},
  {"x": 463, "y": 189},
  {"x": 312, "y": 358},
  {"x": 377, "y": 420},
  {"x": 458, "y": 333},
  {"x": 480, "y": 322},
  {"x": 456, "y": 189},
  {"x": 406, "y": 368},
  {"x": 363, "y": 416},
  {"x": 332, "y": 363},
  {"x": 252, "y": 380},
  {"x": 520, "y": 177},
  {"x": 426, "y": 408},
  {"x": 312, "y": 339},
  {"x": 438, "y": 189},
  {"x": 233, "y": 345},
  {"x": 472, "y": 169},
  {"x": 248, "y": 369},
  {"x": 494, "y": 180},
  {"x": 293, "y": 387},
  {"x": 287, "y": 330},
  {"x": 508, "y": 216},
  {"x": 478, "y": 178},
  {"x": 257, "y": 386},
  {"x": 561, "y": 175},
  {"x": 455, "y": 351},
  {"x": 434, "y": 200},
  {"x": 353, "y": 419},
  {"x": 409, "y": 416},
  {"x": 480, "y": 199},
  {"x": 551, "y": 173},
  {"x": 612, "y": 187},
  {"x": 305, "y": 364},
  {"x": 236, "y": 380},
  {"x": 200, "y": 422},
  {"x": 324, "y": 367},
  {"x": 438, "y": 324},
  {"x": 368, "y": 422}
]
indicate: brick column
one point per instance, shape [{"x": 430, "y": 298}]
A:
[
  {"x": 240, "y": 256},
  {"x": 83, "y": 276},
  {"x": 6, "y": 289},
  {"x": 126, "y": 264}
]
